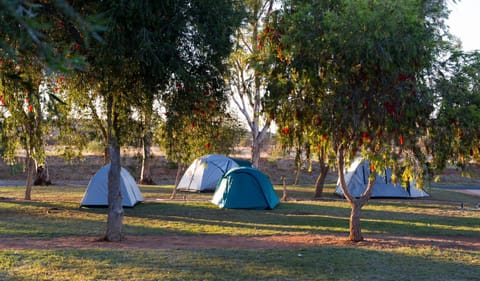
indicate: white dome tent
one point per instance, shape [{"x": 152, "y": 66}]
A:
[
  {"x": 356, "y": 178},
  {"x": 96, "y": 194},
  {"x": 205, "y": 172}
]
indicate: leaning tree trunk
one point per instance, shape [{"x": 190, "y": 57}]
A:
[
  {"x": 177, "y": 180},
  {"x": 298, "y": 170},
  {"x": 320, "y": 182}
]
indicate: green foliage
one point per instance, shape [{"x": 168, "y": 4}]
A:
[
  {"x": 44, "y": 32},
  {"x": 204, "y": 129},
  {"x": 358, "y": 73},
  {"x": 37, "y": 38},
  {"x": 454, "y": 135},
  {"x": 23, "y": 102},
  {"x": 194, "y": 98}
]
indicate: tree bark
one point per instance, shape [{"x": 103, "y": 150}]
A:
[
  {"x": 355, "y": 229},
  {"x": 146, "y": 175},
  {"x": 355, "y": 203},
  {"x": 256, "y": 148},
  {"x": 244, "y": 79},
  {"x": 106, "y": 155},
  {"x": 114, "y": 231},
  {"x": 177, "y": 180},
  {"x": 320, "y": 182},
  {"x": 297, "y": 175},
  {"x": 30, "y": 163}
]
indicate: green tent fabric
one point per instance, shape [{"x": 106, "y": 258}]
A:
[{"x": 245, "y": 188}]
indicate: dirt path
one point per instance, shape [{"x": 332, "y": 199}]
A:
[{"x": 239, "y": 242}]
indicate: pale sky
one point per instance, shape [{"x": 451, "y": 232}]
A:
[{"x": 464, "y": 22}]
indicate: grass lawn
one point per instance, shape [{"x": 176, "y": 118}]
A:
[{"x": 54, "y": 213}]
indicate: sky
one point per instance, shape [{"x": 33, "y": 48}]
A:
[{"x": 464, "y": 21}]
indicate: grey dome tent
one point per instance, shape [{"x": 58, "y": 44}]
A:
[
  {"x": 205, "y": 172},
  {"x": 245, "y": 188},
  {"x": 356, "y": 178},
  {"x": 96, "y": 194}
]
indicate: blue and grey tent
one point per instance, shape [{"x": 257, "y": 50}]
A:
[
  {"x": 245, "y": 188},
  {"x": 205, "y": 172}
]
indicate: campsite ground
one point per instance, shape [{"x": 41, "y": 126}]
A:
[
  {"x": 78, "y": 172},
  {"x": 50, "y": 238},
  {"x": 374, "y": 241}
]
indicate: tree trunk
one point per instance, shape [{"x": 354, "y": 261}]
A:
[
  {"x": 42, "y": 176},
  {"x": 146, "y": 175},
  {"x": 355, "y": 203},
  {"x": 355, "y": 229},
  {"x": 256, "y": 147},
  {"x": 284, "y": 183},
  {"x": 106, "y": 155},
  {"x": 30, "y": 163},
  {"x": 114, "y": 232},
  {"x": 177, "y": 180},
  {"x": 297, "y": 175},
  {"x": 320, "y": 182},
  {"x": 115, "y": 210}
]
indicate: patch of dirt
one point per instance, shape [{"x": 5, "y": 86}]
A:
[{"x": 239, "y": 242}]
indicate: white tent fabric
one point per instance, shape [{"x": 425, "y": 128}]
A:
[
  {"x": 205, "y": 172},
  {"x": 97, "y": 189},
  {"x": 356, "y": 178}
]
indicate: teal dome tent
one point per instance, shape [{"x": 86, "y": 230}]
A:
[{"x": 245, "y": 188}]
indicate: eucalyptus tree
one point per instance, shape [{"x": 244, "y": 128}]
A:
[
  {"x": 195, "y": 101},
  {"x": 146, "y": 45},
  {"x": 23, "y": 120},
  {"x": 366, "y": 64},
  {"x": 247, "y": 86}
]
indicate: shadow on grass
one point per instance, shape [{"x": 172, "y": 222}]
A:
[
  {"x": 318, "y": 263},
  {"x": 304, "y": 217},
  {"x": 47, "y": 219}
]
